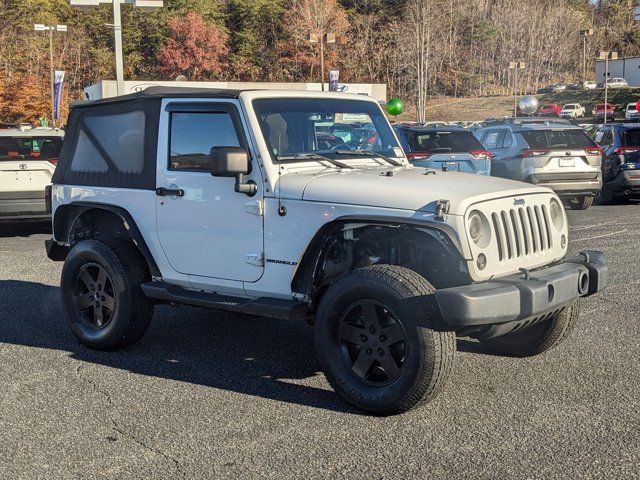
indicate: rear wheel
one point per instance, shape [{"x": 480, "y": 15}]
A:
[
  {"x": 378, "y": 341},
  {"x": 580, "y": 203},
  {"x": 101, "y": 295},
  {"x": 539, "y": 337}
]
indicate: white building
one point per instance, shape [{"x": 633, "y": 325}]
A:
[
  {"x": 627, "y": 68},
  {"x": 107, "y": 88}
]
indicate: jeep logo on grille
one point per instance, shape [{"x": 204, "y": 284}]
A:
[{"x": 518, "y": 201}]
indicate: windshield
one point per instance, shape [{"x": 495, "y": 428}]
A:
[
  {"x": 569, "y": 107},
  {"x": 328, "y": 127},
  {"x": 31, "y": 148},
  {"x": 558, "y": 139},
  {"x": 435, "y": 142}
]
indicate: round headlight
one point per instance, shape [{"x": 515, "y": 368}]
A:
[
  {"x": 475, "y": 227},
  {"x": 557, "y": 215}
]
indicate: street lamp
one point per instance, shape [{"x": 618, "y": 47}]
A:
[
  {"x": 606, "y": 56},
  {"x": 145, "y": 5},
  {"x": 515, "y": 66},
  {"x": 584, "y": 34},
  {"x": 39, "y": 27},
  {"x": 322, "y": 40}
]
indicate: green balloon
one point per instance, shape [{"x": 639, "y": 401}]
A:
[{"x": 395, "y": 107}]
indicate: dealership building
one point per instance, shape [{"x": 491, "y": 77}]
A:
[{"x": 627, "y": 68}]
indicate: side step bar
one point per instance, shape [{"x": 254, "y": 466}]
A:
[{"x": 266, "y": 307}]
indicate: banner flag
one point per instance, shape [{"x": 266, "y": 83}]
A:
[
  {"x": 57, "y": 92},
  {"x": 334, "y": 76}
]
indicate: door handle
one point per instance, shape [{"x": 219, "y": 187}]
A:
[{"x": 169, "y": 192}]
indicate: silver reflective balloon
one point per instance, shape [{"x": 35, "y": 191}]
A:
[{"x": 528, "y": 104}]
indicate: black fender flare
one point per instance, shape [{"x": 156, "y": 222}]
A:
[
  {"x": 302, "y": 282},
  {"x": 66, "y": 216}
]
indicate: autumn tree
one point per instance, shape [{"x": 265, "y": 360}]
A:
[
  {"x": 25, "y": 99},
  {"x": 194, "y": 48},
  {"x": 300, "y": 59}
]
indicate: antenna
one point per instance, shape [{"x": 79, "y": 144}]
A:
[{"x": 282, "y": 210}]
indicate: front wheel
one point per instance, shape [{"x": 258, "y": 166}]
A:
[
  {"x": 537, "y": 338},
  {"x": 378, "y": 341}
]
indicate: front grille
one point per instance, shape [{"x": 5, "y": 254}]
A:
[{"x": 522, "y": 231}]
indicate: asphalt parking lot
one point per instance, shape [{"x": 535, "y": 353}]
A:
[{"x": 219, "y": 395}]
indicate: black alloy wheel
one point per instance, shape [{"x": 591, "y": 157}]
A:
[
  {"x": 372, "y": 341},
  {"x": 95, "y": 297}
]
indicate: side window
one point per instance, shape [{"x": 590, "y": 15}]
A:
[
  {"x": 493, "y": 139},
  {"x": 402, "y": 136},
  {"x": 194, "y": 134},
  {"x": 507, "y": 141},
  {"x": 118, "y": 138},
  {"x": 86, "y": 157},
  {"x": 604, "y": 136}
]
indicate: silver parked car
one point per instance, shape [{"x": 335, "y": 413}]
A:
[{"x": 551, "y": 153}]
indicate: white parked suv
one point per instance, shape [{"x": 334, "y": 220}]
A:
[
  {"x": 631, "y": 111},
  {"x": 28, "y": 157},
  {"x": 246, "y": 201},
  {"x": 572, "y": 110}
]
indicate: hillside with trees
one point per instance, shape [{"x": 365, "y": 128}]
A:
[{"x": 419, "y": 48}]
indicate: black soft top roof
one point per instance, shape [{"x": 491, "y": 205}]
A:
[{"x": 161, "y": 92}]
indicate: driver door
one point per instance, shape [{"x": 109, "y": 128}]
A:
[{"x": 206, "y": 229}]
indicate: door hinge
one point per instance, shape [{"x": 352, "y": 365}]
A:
[
  {"x": 255, "y": 208},
  {"x": 256, "y": 258}
]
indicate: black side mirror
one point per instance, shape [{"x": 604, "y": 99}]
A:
[
  {"x": 229, "y": 161},
  {"x": 233, "y": 162}
]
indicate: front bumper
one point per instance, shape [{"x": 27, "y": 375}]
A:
[{"x": 530, "y": 295}]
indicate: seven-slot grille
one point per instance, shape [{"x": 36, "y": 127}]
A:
[{"x": 522, "y": 231}]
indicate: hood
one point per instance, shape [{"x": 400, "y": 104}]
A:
[{"x": 406, "y": 188}]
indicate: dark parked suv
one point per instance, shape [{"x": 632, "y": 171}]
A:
[
  {"x": 446, "y": 148},
  {"x": 621, "y": 160}
]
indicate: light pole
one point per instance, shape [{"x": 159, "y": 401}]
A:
[
  {"x": 39, "y": 27},
  {"x": 515, "y": 66},
  {"x": 584, "y": 34},
  {"x": 145, "y": 5},
  {"x": 606, "y": 56},
  {"x": 322, "y": 40}
]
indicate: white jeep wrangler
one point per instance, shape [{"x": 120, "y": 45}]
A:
[{"x": 301, "y": 205}]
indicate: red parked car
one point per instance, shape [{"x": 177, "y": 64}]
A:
[
  {"x": 599, "y": 112},
  {"x": 550, "y": 110}
]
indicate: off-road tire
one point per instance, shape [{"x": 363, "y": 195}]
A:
[
  {"x": 580, "y": 203},
  {"x": 125, "y": 271},
  {"x": 401, "y": 296},
  {"x": 539, "y": 337}
]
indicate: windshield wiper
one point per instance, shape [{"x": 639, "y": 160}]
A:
[
  {"x": 369, "y": 153},
  {"x": 311, "y": 156}
]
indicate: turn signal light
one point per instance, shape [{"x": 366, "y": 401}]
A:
[
  {"x": 625, "y": 150},
  {"x": 594, "y": 150},
  {"x": 414, "y": 155},
  {"x": 484, "y": 154},
  {"x": 533, "y": 152}
]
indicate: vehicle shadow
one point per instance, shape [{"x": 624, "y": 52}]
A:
[
  {"x": 24, "y": 229},
  {"x": 473, "y": 346},
  {"x": 240, "y": 353}
]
